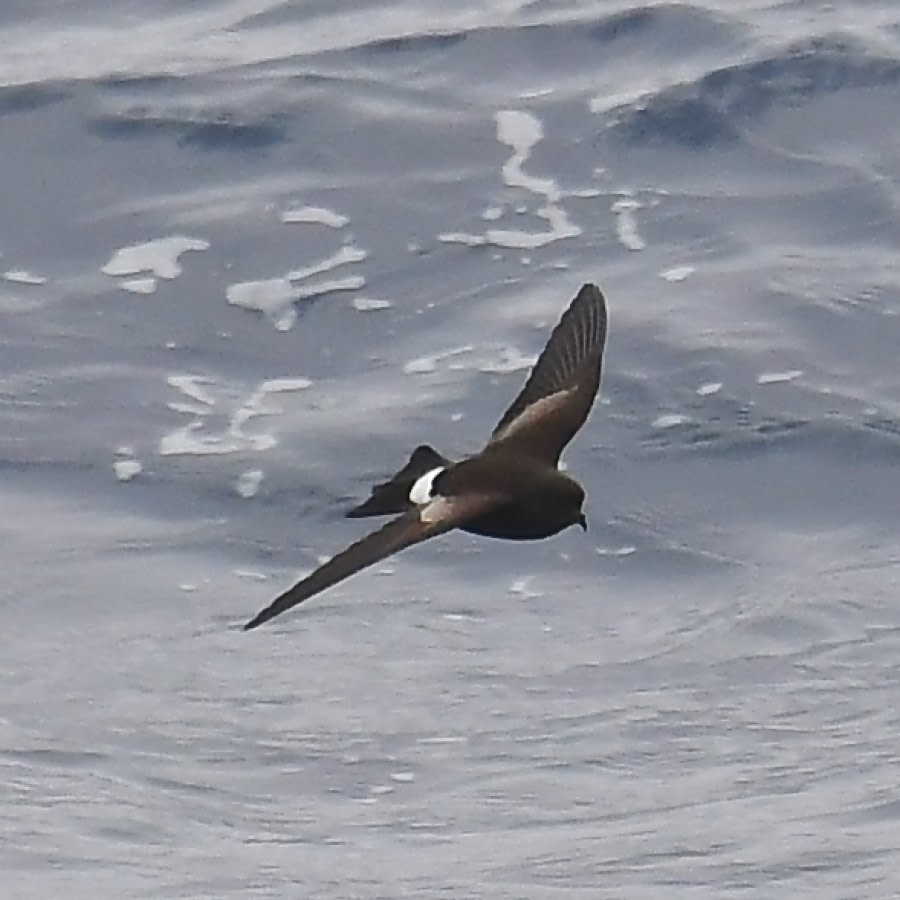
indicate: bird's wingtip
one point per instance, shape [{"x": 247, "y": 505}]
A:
[{"x": 255, "y": 622}]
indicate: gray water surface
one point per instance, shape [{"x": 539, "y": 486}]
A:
[{"x": 252, "y": 253}]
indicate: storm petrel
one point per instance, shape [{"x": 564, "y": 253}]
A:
[{"x": 512, "y": 489}]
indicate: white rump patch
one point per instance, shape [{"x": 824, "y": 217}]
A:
[{"x": 421, "y": 491}]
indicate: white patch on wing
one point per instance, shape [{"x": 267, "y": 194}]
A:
[
  {"x": 420, "y": 493},
  {"x": 435, "y": 510}
]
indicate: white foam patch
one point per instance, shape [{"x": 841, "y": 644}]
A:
[
  {"x": 139, "y": 285},
  {"x": 335, "y": 285},
  {"x": 677, "y": 273},
  {"x": 509, "y": 359},
  {"x": 425, "y": 364},
  {"x": 462, "y": 237},
  {"x": 626, "y": 223},
  {"x": 616, "y": 551},
  {"x": 489, "y": 358},
  {"x": 219, "y": 421},
  {"x": 20, "y": 276},
  {"x": 161, "y": 257},
  {"x": 421, "y": 491},
  {"x": 314, "y": 215},
  {"x": 126, "y": 469},
  {"x": 346, "y": 255},
  {"x": 612, "y": 100},
  {"x": 126, "y": 466},
  {"x": 537, "y": 93},
  {"x": 672, "y": 420},
  {"x": 710, "y": 388},
  {"x": 247, "y": 483},
  {"x": 370, "y": 304},
  {"x": 275, "y": 297},
  {"x": 282, "y": 385},
  {"x": 192, "y": 387},
  {"x": 521, "y": 131},
  {"x": 403, "y": 777},
  {"x": 250, "y": 574},
  {"x": 778, "y": 377},
  {"x": 521, "y": 587}
]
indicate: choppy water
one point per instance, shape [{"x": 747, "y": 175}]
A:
[{"x": 252, "y": 253}]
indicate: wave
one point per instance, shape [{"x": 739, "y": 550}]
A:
[{"x": 712, "y": 109}]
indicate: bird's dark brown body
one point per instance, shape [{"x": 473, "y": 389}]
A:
[
  {"x": 540, "y": 502},
  {"x": 512, "y": 489}
]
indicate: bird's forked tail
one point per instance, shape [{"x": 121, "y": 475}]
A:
[{"x": 392, "y": 496}]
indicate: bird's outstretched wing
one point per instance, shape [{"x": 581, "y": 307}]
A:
[
  {"x": 560, "y": 390},
  {"x": 436, "y": 517}
]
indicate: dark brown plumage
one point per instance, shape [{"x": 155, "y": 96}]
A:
[{"x": 512, "y": 489}]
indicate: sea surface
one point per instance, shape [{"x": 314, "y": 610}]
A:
[{"x": 252, "y": 253}]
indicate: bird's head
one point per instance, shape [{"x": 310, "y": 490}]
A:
[{"x": 575, "y": 504}]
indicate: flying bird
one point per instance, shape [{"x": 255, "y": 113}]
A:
[{"x": 512, "y": 489}]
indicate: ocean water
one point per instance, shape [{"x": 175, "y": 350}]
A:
[{"x": 253, "y": 252}]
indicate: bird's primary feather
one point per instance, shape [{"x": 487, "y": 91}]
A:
[{"x": 560, "y": 390}]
